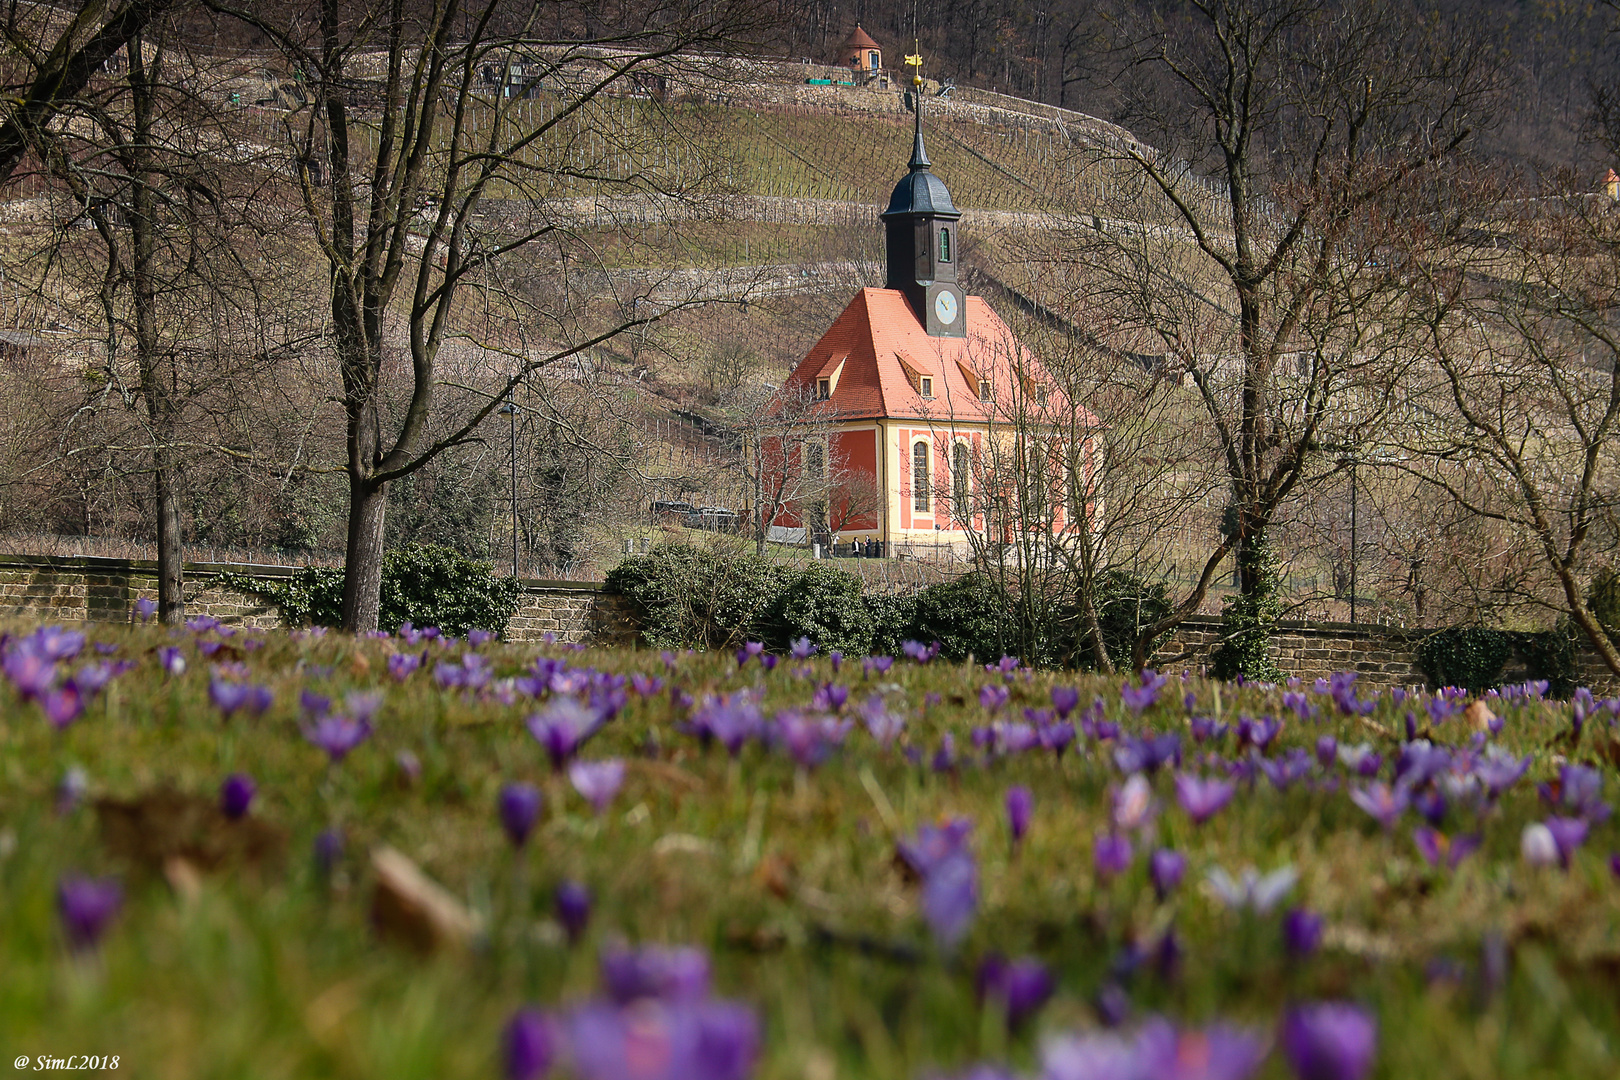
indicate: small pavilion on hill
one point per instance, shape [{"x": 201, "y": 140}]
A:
[
  {"x": 861, "y": 54},
  {"x": 934, "y": 426}
]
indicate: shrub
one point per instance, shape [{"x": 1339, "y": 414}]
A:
[
  {"x": 825, "y": 605},
  {"x": 705, "y": 598},
  {"x": 965, "y": 616},
  {"x": 1473, "y": 657},
  {"x": 894, "y": 618},
  {"x": 426, "y": 585},
  {"x": 1125, "y": 602}
]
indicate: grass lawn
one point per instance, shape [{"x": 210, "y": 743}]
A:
[{"x": 225, "y": 960}]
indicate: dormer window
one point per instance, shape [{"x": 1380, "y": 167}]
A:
[
  {"x": 984, "y": 390},
  {"x": 1040, "y": 396},
  {"x": 823, "y": 389},
  {"x": 925, "y": 386},
  {"x": 944, "y": 245}
]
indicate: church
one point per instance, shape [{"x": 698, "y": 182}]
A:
[{"x": 935, "y": 429}]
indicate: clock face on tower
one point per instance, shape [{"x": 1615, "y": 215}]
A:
[{"x": 945, "y": 307}]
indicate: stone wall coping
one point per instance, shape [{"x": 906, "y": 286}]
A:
[
  {"x": 1322, "y": 629},
  {"x": 213, "y": 569}
]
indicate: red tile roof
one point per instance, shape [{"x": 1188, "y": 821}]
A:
[
  {"x": 881, "y": 337},
  {"x": 861, "y": 38}
]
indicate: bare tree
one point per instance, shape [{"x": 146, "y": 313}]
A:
[
  {"x": 434, "y": 190},
  {"x": 1518, "y": 420},
  {"x": 1276, "y": 139}
]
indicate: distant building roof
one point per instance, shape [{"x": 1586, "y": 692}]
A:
[
  {"x": 878, "y": 337},
  {"x": 22, "y": 339},
  {"x": 860, "y": 39}
]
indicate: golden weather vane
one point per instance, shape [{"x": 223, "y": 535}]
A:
[{"x": 914, "y": 60}]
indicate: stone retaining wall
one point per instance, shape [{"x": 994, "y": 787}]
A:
[
  {"x": 87, "y": 588},
  {"x": 1381, "y": 656}
]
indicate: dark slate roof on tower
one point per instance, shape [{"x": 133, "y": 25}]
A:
[{"x": 920, "y": 191}]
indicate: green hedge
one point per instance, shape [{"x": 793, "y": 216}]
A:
[
  {"x": 1473, "y": 657},
  {"x": 425, "y": 585},
  {"x": 690, "y": 597}
]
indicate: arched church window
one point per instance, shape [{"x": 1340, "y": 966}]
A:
[{"x": 919, "y": 477}]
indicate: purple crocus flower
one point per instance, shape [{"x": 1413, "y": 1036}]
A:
[
  {"x": 1302, "y": 931},
  {"x": 1145, "y": 694},
  {"x": 62, "y": 704},
  {"x": 1284, "y": 770},
  {"x": 1206, "y": 729},
  {"x": 227, "y": 697},
  {"x": 934, "y": 845},
  {"x": 1020, "y": 987},
  {"x": 573, "y": 908},
  {"x": 992, "y": 696},
  {"x": 730, "y": 719},
  {"x": 1568, "y": 833},
  {"x": 236, "y": 795},
  {"x": 1327, "y": 751},
  {"x": 86, "y": 906},
  {"x": 519, "y": 808},
  {"x": 528, "y": 1045},
  {"x": 883, "y": 725},
  {"x": 1438, "y": 849},
  {"x": 829, "y": 697},
  {"x": 1386, "y": 804},
  {"x": 700, "y": 1040},
  {"x": 337, "y": 735},
  {"x": 28, "y": 669},
  {"x": 1330, "y": 1040},
  {"x": 803, "y": 649},
  {"x": 668, "y": 975},
  {"x": 749, "y": 650},
  {"x": 597, "y": 781},
  {"x": 1020, "y": 808},
  {"x": 918, "y": 652},
  {"x": 1498, "y": 770},
  {"x": 1258, "y": 733},
  {"x": 876, "y": 664},
  {"x": 1157, "y": 1050},
  {"x": 1065, "y": 699},
  {"x": 402, "y": 665},
  {"x": 1111, "y": 854},
  {"x": 145, "y": 608},
  {"x": 1166, "y": 868},
  {"x": 1203, "y": 798},
  {"x": 950, "y": 897},
  {"x": 646, "y": 686},
  {"x": 561, "y": 727}
]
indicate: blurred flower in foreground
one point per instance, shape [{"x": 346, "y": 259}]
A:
[
  {"x": 1166, "y": 868},
  {"x": 597, "y": 781},
  {"x": 1302, "y": 931},
  {"x": 1019, "y": 987},
  {"x": 1251, "y": 890},
  {"x": 672, "y": 975},
  {"x": 1537, "y": 845},
  {"x": 528, "y": 1045},
  {"x": 1157, "y": 1051},
  {"x": 337, "y": 735},
  {"x": 1020, "y": 808},
  {"x": 236, "y": 795},
  {"x": 1330, "y": 1040},
  {"x": 573, "y": 908},
  {"x": 87, "y": 905},
  {"x": 1202, "y": 798},
  {"x": 519, "y": 808}
]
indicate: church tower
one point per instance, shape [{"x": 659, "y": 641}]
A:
[{"x": 921, "y": 223}]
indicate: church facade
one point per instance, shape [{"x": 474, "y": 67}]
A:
[{"x": 927, "y": 423}]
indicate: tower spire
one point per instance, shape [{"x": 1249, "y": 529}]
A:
[{"x": 919, "y": 155}]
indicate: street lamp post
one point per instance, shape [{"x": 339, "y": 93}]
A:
[
  {"x": 511, "y": 411},
  {"x": 1354, "y": 549}
]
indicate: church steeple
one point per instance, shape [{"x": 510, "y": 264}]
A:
[{"x": 921, "y": 224}]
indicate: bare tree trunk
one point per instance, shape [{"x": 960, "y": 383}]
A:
[
  {"x": 143, "y": 228},
  {"x": 362, "y": 562}
]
